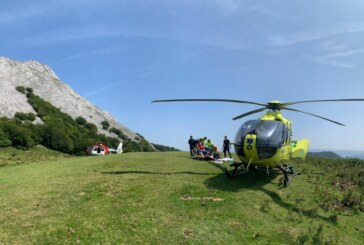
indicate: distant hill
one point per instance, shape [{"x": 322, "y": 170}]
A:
[
  {"x": 324, "y": 154},
  {"x": 351, "y": 154},
  {"x": 164, "y": 148},
  {"x": 343, "y": 153}
]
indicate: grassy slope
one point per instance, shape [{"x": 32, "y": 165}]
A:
[{"x": 163, "y": 198}]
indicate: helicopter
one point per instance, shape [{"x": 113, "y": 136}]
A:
[{"x": 267, "y": 142}]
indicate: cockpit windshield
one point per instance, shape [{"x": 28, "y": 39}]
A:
[
  {"x": 269, "y": 133},
  {"x": 247, "y": 128}
]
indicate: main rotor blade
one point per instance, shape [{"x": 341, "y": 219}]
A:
[
  {"x": 210, "y": 100},
  {"x": 290, "y": 109},
  {"x": 249, "y": 113},
  {"x": 310, "y": 101}
]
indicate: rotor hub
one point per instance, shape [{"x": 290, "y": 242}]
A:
[{"x": 274, "y": 105}]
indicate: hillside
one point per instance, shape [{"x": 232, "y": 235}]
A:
[
  {"x": 168, "y": 198},
  {"x": 49, "y": 87},
  {"x": 324, "y": 154}
]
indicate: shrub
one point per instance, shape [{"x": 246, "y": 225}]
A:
[
  {"x": 20, "y": 89},
  {"x": 20, "y": 136},
  {"x": 31, "y": 117},
  {"x": 164, "y": 148},
  {"x": 29, "y": 90},
  {"x": 57, "y": 139},
  {"x": 92, "y": 127},
  {"x": 21, "y": 116},
  {"x": 119, "y": 133},
  {"x": 4, "y": 140},
  {"x": 105, "y": 125},
  {"x": 81, "y": 120}
]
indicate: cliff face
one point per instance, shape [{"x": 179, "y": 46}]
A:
[{"x": 49, "y": 87}]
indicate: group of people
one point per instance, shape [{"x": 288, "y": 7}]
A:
[{"x": 204, "y": 148}]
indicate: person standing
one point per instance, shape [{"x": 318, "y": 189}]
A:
[
  {"x": 191, "y": 142},
  {"x": 226, "y": 146}
]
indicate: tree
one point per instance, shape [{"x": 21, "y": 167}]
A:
[
  {"x": 105, "y": 125},
  {"x": 81, "y": 121},
  {"x": 29, "y": 90},
  {"x": 4, "y": 140},
  {"x": 21, "y": 116},
  {"x": 92, "y": 127},
  {"x": 20, "y": 89},
  {"x": 56, "y": 138}
]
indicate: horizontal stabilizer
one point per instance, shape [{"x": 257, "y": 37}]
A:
[{"x": 300, "y": 148}]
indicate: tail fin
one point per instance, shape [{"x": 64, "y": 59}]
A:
[
  {"x": 299, "y": 148},
  {"x": 120, "y": 148}
]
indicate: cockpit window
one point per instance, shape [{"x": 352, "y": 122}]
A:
[
  {"x": 269, "y": 133},
  {"x": 246, "y": 128}
]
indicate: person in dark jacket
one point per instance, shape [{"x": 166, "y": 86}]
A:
[
  {"x": 191, "y": 143},
  {"x": 226, "y": 146}
]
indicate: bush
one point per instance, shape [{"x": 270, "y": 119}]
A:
[
  {"x": 119, "y": 133},
  {"x": 29, "y": 90},
  {"x": 92, "y": 127},
  {"x": 20, "y": 89},
  {"x": 81, "y": 120},
  {"x": 56, "y": 138},
  {"x": 105, "y": 125},
  {"x": 31, "y": 117},
  {"x": 4, "y": 140},
  {"x": 164, "y": 148},
  {"x": 21, "y": 116},
  {"x": 20, "y": 136}
]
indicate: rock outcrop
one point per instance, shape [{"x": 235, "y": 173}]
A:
[{"x": 49, "y": 87}]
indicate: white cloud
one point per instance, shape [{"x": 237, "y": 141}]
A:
[
  {"x": 110, "y": 86},
  {"x": 329, "y": 59},
  {"x": 324, "y": 61},
  {"x": 101, "y": 51},
  {"x": 333, "y": 46},
  {"x": 284, "y": 40},
  {"x": 305, "y": 36}
]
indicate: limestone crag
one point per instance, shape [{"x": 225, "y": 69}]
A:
[{"x": 49, "y": 87}]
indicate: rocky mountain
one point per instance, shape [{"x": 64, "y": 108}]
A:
[{"x": 49, "y": 87}]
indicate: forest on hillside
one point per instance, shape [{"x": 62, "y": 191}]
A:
[{"x": 59, "y": 131}]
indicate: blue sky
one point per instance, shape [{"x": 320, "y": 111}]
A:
[{"x": 123, "y": 54}]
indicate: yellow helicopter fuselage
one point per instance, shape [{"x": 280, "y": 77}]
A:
[{"x": 267, "y": 141}]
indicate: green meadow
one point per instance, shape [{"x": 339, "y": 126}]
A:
[{"x": 168, "y": 198}]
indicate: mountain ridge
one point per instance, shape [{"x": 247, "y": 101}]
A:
[{"x": 48, "y": 86}]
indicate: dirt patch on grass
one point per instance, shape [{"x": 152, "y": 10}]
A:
[
  {"x": 345, "y": 185},
  {"x": 187, "y": 197},
  {"x": 187, "y": 233}
]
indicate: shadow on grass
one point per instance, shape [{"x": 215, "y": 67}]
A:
[
  {"x": 156, "y": 173},
  {"x": 256, "y": 180},
  {"x": 250, "y": 180},
  {"x": 295, "y": 208}
]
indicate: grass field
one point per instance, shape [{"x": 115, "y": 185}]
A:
[{"x": 168, "y": 198}]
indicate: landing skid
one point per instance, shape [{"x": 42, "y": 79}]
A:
[
  {"x": 287, "y": 170},
  {"x": 242, "y": 168}
]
